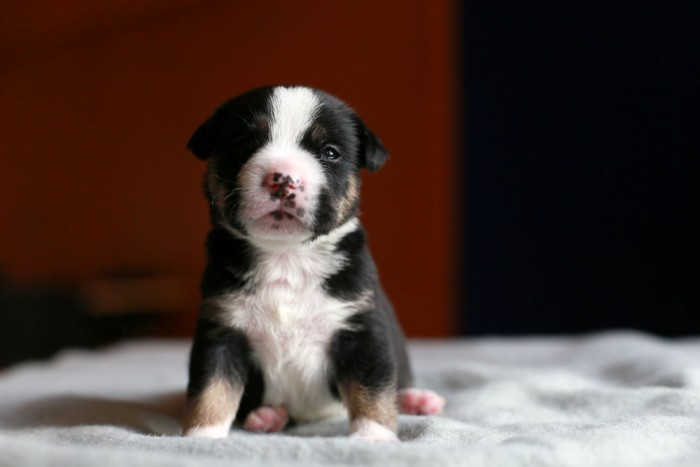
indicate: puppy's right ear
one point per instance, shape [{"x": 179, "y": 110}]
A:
[
  {"x": 204, "y": 138},
  {"x": 373, "y": 152}
]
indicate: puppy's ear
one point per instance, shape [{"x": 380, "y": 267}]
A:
[
  {"x": 373, "y": 154},
  {"x": 204, "y": 138}
]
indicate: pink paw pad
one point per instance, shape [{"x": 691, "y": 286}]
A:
[
  {"x": 414, "y": 401},
  {"x": 266, "y": 420}
]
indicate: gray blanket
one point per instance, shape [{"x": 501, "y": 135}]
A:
[{"x": 617, "y": 399}]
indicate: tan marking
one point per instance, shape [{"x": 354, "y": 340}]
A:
[
  {"x": 216, "y": 405},
  {"x": 262, "y": 123},
  {"x": 348, "y": 201},
  {"x": 318, "y": 133},
  {"x": 363, "y": 403}
]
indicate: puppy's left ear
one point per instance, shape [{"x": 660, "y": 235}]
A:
[
  {"x": 204, "y": 138},
  {"x": 373, "y": 154}
]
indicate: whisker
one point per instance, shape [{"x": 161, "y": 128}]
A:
[{"x": 233, "y": 192}]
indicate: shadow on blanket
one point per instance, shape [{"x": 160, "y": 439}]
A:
[
  {"x": 160, "y": 416},
  {"x": 155, "y": 416}
]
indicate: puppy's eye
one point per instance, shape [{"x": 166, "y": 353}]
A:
[{"x": 329, "y": 154}]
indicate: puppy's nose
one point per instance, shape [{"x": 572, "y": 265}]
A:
[{"x": 281, "y": 185}]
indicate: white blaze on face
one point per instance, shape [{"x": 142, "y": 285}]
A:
[{"x": 293, "y": 111}]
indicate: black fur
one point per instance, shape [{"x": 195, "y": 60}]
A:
[
  {"x": 217, "y": 351},
  {"x": 229, "y": 260},
  {"x": 233, "y": 128},
  {"x": 364, "y": 353},
  {"x": 359, "y": 273}
]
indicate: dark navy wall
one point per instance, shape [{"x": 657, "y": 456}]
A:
[{"x": 582, "y": 139}]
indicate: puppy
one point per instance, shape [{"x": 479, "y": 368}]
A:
[{"x": 293, "y": 324}]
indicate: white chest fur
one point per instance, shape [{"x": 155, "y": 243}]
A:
[{"x": 290, "y": 320}]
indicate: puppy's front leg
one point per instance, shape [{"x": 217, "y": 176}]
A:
[
  {"x": 372, "y": 412},
  {"x": 366, "y": 375},
  {"x": 218, "y": 374}
]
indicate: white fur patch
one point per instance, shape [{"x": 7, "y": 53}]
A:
[
  {"x": 289, "y": 320},
  {"x": 293, "y": 110},
  {"x": 214, "y": 432},
  {"x": 370, "y": 430}
]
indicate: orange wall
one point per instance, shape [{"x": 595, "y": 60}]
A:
[{"x": 97, "y": 103}]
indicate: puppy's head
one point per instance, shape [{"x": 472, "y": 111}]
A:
[{"x": 283, "y": 162}]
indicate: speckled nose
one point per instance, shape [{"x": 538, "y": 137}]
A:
[{"x": 282, "y": 185}]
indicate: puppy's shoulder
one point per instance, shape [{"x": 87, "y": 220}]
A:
[
  {"x": 229, "y": 262},
  {"x": 359, "y": 273}
]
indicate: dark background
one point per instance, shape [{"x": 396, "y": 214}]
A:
[
  {"x": 583, "y": 146},
  {"x": 102, "y": 217}
]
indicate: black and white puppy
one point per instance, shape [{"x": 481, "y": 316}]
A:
[{"x": 293, "y": 323}]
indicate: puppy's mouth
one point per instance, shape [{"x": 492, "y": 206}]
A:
[
  {"x": 280, "y": 224},
  {"x": 281, "y": 215}
]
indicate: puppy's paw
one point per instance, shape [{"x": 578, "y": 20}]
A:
[
  {"x": 212, "y": 432},
  {"x": 266, "y": 419},
  {"x": 415, "y": 401},
  {"x": 367, "y": 430}
]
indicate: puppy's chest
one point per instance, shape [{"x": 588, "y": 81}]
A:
[
  {"x": 285, "y": 311},
  {"x": 280, "y": 320},
  {"x": 289, "y": 320}
]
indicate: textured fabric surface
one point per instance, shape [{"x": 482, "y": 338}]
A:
[{"x": 618, "y": 398}]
